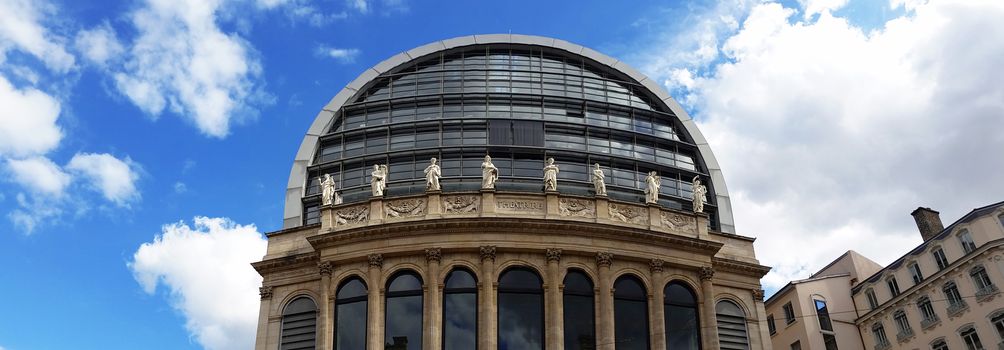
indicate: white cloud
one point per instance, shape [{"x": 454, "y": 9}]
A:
[
  {"x": 114, "y": 178},
  {"x": 27, "y": 121},
  {"x": 99, "y": 44},
  {"x": 180, "y": 187},
  {"x": 207, "y": 272},
  {"x": 39, "y": 174},
  {"x": 21, "y": 28},
  {"x": 36, "y": 211},
  {"x": 339, "y": 54},
  {"x": 359, "y": 5},
  {"x": 181, "y": 60},
  {"x": 812, "y": 7},
  {"x": 829, "y": 136}
]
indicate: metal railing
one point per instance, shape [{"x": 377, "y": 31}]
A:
[
  {"x": 956, "y": 308},
  {"x": 985, "y": 292}
]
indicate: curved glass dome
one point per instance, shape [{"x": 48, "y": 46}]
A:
[{"x": 520, "y": 99}]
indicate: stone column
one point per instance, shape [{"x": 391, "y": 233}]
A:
[
  {"x": 374, "y": 327},
  {"x": 658, "y": 320},
  {"x": 325, "y": 324},
  {"x": 605, "y": 340},
  {"x": 487, "y": 327},
  {"x": 553, "y": 308},
  {"x": 433, "y": 309},
  {"x": 710, "y": 323},
  {"x": 261, "y": 340}
]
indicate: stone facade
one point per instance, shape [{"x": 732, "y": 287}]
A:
[{"x": 542, "y": 235}]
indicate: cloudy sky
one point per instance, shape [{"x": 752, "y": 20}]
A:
[{"x": 145, "y": 144}]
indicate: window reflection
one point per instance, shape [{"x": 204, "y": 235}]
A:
[
  {"x": 579, "y": 315},
  {"x": 630, "y": 314},
  {"x": 520, "y": 310},
  {"x": 403, "y": 328},
  {"x": 350, "y": 315},
  {"x": 460, "y": 311},
  {"x": 682, "y": 327}
]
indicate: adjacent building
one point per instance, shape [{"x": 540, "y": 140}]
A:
[
  {"x": 943, "y": 294},
  {"x": 510, "y": 266}
]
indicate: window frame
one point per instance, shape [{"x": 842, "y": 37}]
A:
[{"x": 789, "y": 313}]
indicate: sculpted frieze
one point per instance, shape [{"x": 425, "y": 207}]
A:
[
  {"x": 519, "y": 205},
  {"x": 577, "y": 207},
  {"x": 678, "y": 222},
  {"x": 628, "y": 214},
  {"x": 462, "y": 204},
  {"x": 352, "y": 215},
  {"x": 405, "y": 207}
]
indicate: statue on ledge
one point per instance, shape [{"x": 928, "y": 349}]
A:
[
  {"x": 550, "y": 176},
  {"x": 489, "y": 174},
  {"x": 378, "y": 179},
  {"x": 328, "y": 194},
  {"x": 432, "y": 174},
  {"x": 699, "y": 192},
  {"x": 652, "y": 184},
  {"x": 598, "y": 184}
]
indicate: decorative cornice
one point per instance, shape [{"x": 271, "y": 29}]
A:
[
  {"x": 265, "y": 292},
  {"x": 604, "y": 259},
  {"x": 656, "y": 265},
  {"x": 284, "y": 263},
  {"x": 740, "y": 267},
  {"x": 433, "y": 254},
  {"x": 376, "y": 260},
  {"x": 553, "y": 254},
  {"x": 706, "y": 273},
  {"x": 324, "y": 268},
  {"x": 487, "y": 252}
]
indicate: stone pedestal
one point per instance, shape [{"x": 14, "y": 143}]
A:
[
  {"x": 602, "y": 209},
  {"x": 487, "y": 202},
  {"x": 434, "y": 204},
  {"x": 376, "y": 210}
]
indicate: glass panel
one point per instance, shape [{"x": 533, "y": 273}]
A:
[
  {"x": 350, "y": 323},
  {"x": 630, "y": 314},
  {"x": 403, "y": 328},
  {"x": 579, "y": 319},
  {"x": 404, "y": 283},
  {"x": 520, "y": 311},
  {"x": 460, "y": 325},
  {"x": 460, "y": 279}
]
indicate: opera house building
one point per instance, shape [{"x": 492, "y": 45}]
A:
[{"x": 507, "y": 192}]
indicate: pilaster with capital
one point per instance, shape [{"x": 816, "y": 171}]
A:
[
  {"x": 658, "y": 321},
  {"x": 710, "y": 325},
  {"x": 553, "y": 308},
  {"x": 487, "y": 332},
  {"x": 605, "y": 340},
  {"x": 261, "y": 338},
  {"x": 325, "y": 323},
  {"x": 434, "y": 312},
  {"x": 374, "y": 329}
]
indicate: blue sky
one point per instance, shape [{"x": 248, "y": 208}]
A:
[{"x": 145, "y": 145}]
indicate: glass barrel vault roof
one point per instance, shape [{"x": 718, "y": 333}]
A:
[{"x": 518, "y": 98}]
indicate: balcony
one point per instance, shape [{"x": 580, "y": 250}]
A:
[
  {"x": 882, "y": 346},
  {"x": 957, "y": 308},
  {"x": 904, "y": 335},
  {"x": 928, "y": 323},
  {"x": 986, "y": 292}
]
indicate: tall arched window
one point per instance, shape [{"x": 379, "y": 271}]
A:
[
  {"x": 403, "y": 317},
  {"x": 520, "y": 310},
  {"x": 580, "y": 324},
  {"x": 299, "y": 324},
  {"x": 731, "y": 326},
  {"x": 460, "y": 311},
  {"x": 350, "y": 315},
  {"x": 682, "y": 328},
  {"x": 630, "y": 314}
]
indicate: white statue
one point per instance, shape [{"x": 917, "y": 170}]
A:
[
  {"x": 699, "y": 192},
  {"x": 328, "y": 194},
  {"x": 432, "y": 174},
  {"x": 550, "y": 176},
  {"x": 652, "y": 184},
  {"x": 489, "y": 174},
  {"x": 378, "y": 179},
  {"x": 598, "y": 184}
]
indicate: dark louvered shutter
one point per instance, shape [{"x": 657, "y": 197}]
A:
[{"x": 299, "y": 325}]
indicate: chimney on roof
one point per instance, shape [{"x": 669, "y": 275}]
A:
[{"x": 928, "y": 222}]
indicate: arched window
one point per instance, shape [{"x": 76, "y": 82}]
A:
[
  {"x": 682, "y": 326},
  {"x": 731, "y": 326},
  {"x": 350, "y": 315},
  {"x": 580, "y": 320},
  {"x": 403, "y": 317},
  {"x": 630, "y": 314},
  {"x": 966, "y": 240},
  {"x": 971, "y": 338},
  {"x": 520, "y": 310},
  {"x": 299, "y": 324},
  {"x": 939, "y": 344},
  {"x": 460, "y": 311}
]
